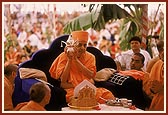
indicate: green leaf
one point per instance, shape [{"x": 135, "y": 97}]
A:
[
  {"x": 113, "y": 11},
  {"x": 83, "y": 22},
  {"x": 96, "y": 19}
]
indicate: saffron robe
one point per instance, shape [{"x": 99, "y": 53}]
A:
[
  {"x": 29, "y": 106},
  {"x": 76, "y": 76},
  {"x": 138, "y": 75},
  {"x": 156, "y": 73},
  {"x": 8, "y": 90}
]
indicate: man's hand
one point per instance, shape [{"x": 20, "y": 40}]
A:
[{"x": 70, "y": 52}]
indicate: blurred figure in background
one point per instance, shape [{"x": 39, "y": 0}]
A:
[{"x": 160, "y": 48}]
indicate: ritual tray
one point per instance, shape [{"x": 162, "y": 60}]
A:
[{"x": 82, "y": 108}]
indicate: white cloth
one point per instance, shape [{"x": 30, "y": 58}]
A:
[
  {"x": 104, "y": 74},
  {"x": 32, "y": 73},
  {"x": 125, "y": 58},
  {"x": 34, "y": 40},
  {"x": 105, "y": 33},
  {"x": 104, "y": 107}
]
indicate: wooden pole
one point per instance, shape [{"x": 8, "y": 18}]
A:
[{"x": 144, "y": 24}]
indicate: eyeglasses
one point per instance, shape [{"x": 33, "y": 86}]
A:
[{"x": 80, "y": 45}]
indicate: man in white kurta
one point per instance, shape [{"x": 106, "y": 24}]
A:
[{"x": 125, "y": 58}]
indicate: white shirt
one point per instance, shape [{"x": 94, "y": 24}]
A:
[
  {"x": 42, "y": 45},
  {"x": 34, "y": 40},
  {"x": 22, "y": 38},
  {"x": 105, "y": 33},
  {"x": 125, "y": 58}
]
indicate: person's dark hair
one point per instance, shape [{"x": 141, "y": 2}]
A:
[
  {"x": 141, "y": 56},
  {"x": 37, "y": 92},
  {"x": 95, "y": 42},
  {"x": 9, "y": 69},
  {"x": 104, "y": 38},
  {"x": 155, "y": 36},
  {"x": 160, "y": 45},
  {"x": 135, "y": 38}
]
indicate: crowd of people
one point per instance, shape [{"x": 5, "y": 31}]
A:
[
  {"x": 35, "y": 31},
  {"x": 75, "y": 66}
]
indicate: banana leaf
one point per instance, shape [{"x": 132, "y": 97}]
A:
[
  {"x": 83, "y": 22},
  {"x": 113, "y": 11},
  {"x": 96, "y": 19}
]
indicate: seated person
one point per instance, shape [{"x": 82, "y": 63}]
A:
[
  {"x": 9, "y": 76},
  {"x": 153, "y": 85},
  {"x": 40, "y": 94},
  {"x": 76, "y": 64}
]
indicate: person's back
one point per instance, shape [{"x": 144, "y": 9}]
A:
[
  {"x": 40, "y": 94},
  {"x": 9, "y": 76}
]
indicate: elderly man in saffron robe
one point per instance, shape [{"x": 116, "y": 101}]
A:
[
  {"x": 76, "y": 64},
  {"x": 154, "y": 85},
  {"x": 10, "y": 74}
]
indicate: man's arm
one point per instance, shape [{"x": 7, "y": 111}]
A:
[
  {"x": 66, "y": 72},
  {"x": 84, "y": 69}
]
